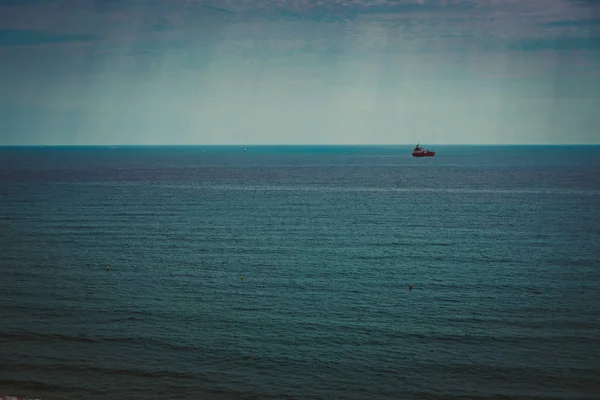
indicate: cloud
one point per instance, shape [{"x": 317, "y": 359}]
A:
[
  {"x": 558, "y": 44},
  {"x": 581, "y": 23},
  {"x": 342, "y": 69},
  {"x": 219, "y": 9},
  {"x": 16, "y": 37},
  {"x": 145, "y": 36},
  {"x": 488, "y": 18},
  {"x": 20, "y": 2},
  {"x": 162, "y": 24}
]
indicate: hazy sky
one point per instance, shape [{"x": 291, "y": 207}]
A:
[{"x": 299, "y": 71}]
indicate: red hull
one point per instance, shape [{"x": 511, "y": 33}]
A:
[{"x": 423, "y": 154}]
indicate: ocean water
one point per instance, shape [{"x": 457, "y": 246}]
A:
[{"x": 500, "y": 244}]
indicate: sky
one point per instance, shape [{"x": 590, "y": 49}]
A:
[{"x": 111, "y": 72}]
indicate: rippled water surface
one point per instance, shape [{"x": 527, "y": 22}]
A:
[{"x": 501, "y": 245}]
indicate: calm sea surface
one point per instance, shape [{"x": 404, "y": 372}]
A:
[{"x": 501, "y": 245}]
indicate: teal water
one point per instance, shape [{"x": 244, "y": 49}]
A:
[{"x": 501, "y": 245}]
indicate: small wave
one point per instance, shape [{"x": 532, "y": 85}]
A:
[
  {"x": 415, "y": 190},
  {"x": 34, "y": 309},
  {"x": 511, "y": 339},
  {"x": 6, "y": 337},
  {"x": 17, "y": 398},
  {"x": 142, "y": 372},
  {"x": 32, "y": 336},
  {"x": 377, "y": 258},
  {"x": 35, "y": 385}
]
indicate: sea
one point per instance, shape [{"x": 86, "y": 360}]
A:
[{"x": 300, "y": 272}]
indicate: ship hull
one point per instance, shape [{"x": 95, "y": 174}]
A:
[{"x": 424, "y": 154}]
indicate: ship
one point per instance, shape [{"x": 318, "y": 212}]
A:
[{"x": 419, "y": 151}]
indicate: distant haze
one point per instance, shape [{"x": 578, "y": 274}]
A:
[{"x": 299, "y": 72}]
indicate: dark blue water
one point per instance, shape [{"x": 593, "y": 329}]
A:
[{"x": 501, "y": 245}]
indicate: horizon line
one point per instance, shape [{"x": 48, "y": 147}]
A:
[
  {"x": 294, "y": 144},
  {"x": 303, "y": 145}
]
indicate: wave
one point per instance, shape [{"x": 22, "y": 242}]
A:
[
  {"x": 318, "y": 187},
  {"x": 11, "y": 337},
  {"x": 167, "y": 377},
  {"x": 416, "y": 190},
  {"x": 48, "y": 337},
  {"x": 36, "y": 385},
  {"x": 16, "y": 398}
]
